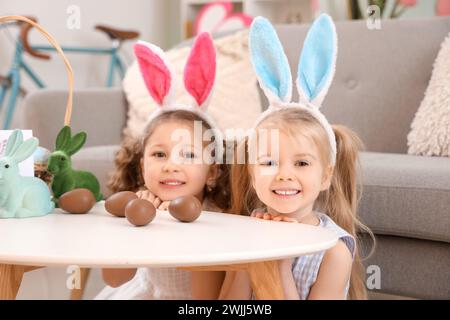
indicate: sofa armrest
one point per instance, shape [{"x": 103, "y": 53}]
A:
[{"x": 101, "y": 113}]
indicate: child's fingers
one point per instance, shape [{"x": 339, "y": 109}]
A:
[
  {"x": 267, "y": 216},
  {"x": 146, "y": 195},
  {"x": 283, "y": 218},
  {"x": 142, "y": 194},
  {"x": 258, "y": 215},
  {"x": 287, "y": 219},
  {"x": 157, "y": 202},
  {"x": 150, "y": 196}
]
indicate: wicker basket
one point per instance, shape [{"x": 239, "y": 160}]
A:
[{"x": 40, "y": 169}]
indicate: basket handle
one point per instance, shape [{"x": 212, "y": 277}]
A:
[{"x": 53, "y": 42}]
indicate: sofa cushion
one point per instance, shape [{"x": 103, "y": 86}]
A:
[
  {"x": 409, "y": 267},
  {"x": 98, "y": 160},
  {"x": 406, "y": 195}
]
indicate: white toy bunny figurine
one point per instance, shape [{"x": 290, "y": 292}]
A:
[{"x": 21, "y": 197}]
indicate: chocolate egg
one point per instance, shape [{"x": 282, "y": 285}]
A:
[
  {"x": 140, "y": 212},
  {"x": 77, "y": 201},
  {"x": 116, "y": 203},
  {"x": 185, "y": 209}
]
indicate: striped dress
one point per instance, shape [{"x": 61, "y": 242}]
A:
[{"x": 306, "y": 268}]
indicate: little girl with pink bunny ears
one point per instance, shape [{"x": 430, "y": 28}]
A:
[{"x": 161, "y": 167}]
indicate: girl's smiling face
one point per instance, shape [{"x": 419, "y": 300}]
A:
[
  {"x": 289, "y": 180},
  {"x": 172, "y": 168}
]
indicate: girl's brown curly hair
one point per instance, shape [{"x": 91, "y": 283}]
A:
[{"x": 128, "y": 175}]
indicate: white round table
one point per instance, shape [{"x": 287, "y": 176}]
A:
[{"x": 98, "y": 239}]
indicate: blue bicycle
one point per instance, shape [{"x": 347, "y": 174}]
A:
[{"x": 11, "y": 82}]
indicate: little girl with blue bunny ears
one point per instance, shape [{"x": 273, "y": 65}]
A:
[{"x": 307, "y": 173}]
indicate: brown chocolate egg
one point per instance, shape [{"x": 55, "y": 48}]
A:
[
  {"x": 140, "y": 212},
  {"x": 116, "y": 203},
  {"x": 77, "y": 201},
  {"x": 185, "y": 209}
]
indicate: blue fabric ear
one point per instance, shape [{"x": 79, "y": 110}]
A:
[
  {"x": 318, "y": 61},
  {"x": 269, "y": 61}
]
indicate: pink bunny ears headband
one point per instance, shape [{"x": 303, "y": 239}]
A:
[
  {"x": 199, "y": 76},
  {"x": 316, "y": 70}
]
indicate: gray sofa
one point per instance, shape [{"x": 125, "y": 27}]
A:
[{"x": 380, "y": 81}]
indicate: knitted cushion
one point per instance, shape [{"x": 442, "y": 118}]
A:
[{"x": 430, "y": 129}]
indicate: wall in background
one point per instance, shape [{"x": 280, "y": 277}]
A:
[
  {"x": 155, "y": 19},
  {"x": 147, "y": 16}
]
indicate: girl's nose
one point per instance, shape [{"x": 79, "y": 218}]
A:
[
  {"x": 170, "y": 166},
  {"x": 284, "y": 174}
]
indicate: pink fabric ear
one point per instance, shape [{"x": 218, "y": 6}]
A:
[
  {"x": 156, "y": 74},
  {"x": 200, "y": 69}
]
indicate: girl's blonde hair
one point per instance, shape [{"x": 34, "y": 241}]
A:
[
  {"x": 128, "y": 175},
  {"x": 339, "y": 202}
]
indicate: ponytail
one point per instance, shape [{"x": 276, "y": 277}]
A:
[{"x": 340, "y": 201}]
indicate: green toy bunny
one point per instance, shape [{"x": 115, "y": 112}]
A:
[{"x": 60, "y": 165}]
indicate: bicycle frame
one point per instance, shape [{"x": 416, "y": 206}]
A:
[
  {"x": 14, "y": 74},
  {"x": 113, "y": 52}
]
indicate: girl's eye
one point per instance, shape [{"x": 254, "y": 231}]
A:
[
  {"x": 302, "y": 163},
  {"x": 268, "y": 163},
  {"x": 7, "y": 166},
  {"x": 158, "y": 154}
]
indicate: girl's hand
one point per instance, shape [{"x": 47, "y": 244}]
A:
[
  {"x": 164, "y": 205},
  {"x": 284, "y": 218},
  {"x": 262, "y": 215},
  {"x": 268, "y": 216},
  {"x": 147, "y": 195}
]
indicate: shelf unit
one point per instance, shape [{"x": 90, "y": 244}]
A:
[{"x": 277, "y": 11}]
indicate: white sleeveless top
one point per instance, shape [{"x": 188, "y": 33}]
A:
[{"x": 155, "y": 283}]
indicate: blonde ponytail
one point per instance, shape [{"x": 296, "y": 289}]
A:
[{"x": 340, "y": 201}]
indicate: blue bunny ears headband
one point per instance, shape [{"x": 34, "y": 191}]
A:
[{"x": 315, "y": 73}]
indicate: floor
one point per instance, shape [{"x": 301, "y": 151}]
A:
[{"x": 36, "y": 285}]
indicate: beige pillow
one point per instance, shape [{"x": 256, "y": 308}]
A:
[
  {"x": 235, "y": 101},
  {"x": 430, "y": 129}
]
